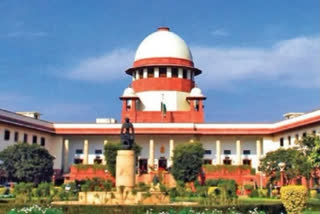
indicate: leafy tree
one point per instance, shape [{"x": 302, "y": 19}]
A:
[
  {"x": 187, "y": 161},
  {"x": 297, "y": 164},
  {"x": 310, "y": 145},
  {"x": 110, "y": 153},
  {"x": 27, "y": 163}
]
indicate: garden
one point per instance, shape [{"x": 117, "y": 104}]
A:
[{"x": 33, "y": 192}]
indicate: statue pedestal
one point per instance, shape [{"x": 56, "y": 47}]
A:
[{"x": 125, "y": 170}]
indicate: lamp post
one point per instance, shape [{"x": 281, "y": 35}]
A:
[{"x": 282, "y": 165}]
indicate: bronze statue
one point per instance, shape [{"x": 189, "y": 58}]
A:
[{"x": 127, "y": 134}]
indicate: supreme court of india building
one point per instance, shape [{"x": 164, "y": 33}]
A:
[{"x": 166, "y": 108}]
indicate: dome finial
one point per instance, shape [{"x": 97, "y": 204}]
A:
[{"x": 163, "y": 28}]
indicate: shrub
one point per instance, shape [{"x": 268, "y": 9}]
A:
[
  {"x": 313, "y": 193},
  {"x": 254, "y": 194},
  {"x": 23, "y": 192},
  {"x": 248, "y": 187},
  {"x": 294, "y": 198},
  {"x": 212, "y": 182},
  {"x": 187, "y": 161},
  {"x": 263, "y": 193}
]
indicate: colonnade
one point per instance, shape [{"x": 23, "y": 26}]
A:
[{"x": 151, "y": 157}]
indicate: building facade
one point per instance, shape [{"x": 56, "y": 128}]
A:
[{"x": 167, "y": 108}]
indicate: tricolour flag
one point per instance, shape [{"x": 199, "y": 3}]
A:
[{"x": 163, "y": 109}]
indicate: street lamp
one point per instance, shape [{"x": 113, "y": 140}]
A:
[{"x": 282, "y": 166}]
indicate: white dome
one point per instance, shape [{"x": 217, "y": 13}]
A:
[
  {"x": 196, "y": 92},
  {"x": 129, "y": 92},
  {"x": 163, "y": 43}
]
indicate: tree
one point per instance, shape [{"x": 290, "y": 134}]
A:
[
  {"x": 110, "y": 153},
  {"x": 27, "y": 163},
  {"x": 310, "y": 145},
  {"x": 297, "y": 164},
  {"x": 187, "y": 161}
]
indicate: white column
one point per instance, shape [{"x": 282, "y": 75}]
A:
[
  {"x": 238, "y": 150},
  {"x": 145, "y": 73},
  {"x": 171, "y": 148},
  {"x": 66, "y": 155},
  {"x": 105, "y": 142},
  {"x": 133, "y": 75},
  {"x": 85, "y": 151},
  {"x": 188, "y": 74},
  {"x": 218, "y": 152},
  {"x": 169, "y": 72},
  {"x": 156, "y": 72},
  {"x": 180, "y": 73},
  {"x": 151, "y": 154},
  {"x": 192, "y": 75},
  {"x": 137, "y": 74},
  {"x": 259, "y": 152}
]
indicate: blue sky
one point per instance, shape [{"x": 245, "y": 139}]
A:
[{"x": 66, "y": 59}]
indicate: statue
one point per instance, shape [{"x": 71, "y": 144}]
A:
[{"x": 127, "y": 134}]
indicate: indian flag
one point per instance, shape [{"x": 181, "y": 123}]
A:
[{"x": 163, "y": 108}]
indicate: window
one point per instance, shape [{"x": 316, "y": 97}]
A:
[
  {"x": 304, "y": 134},
  {"x": 314, "y": 132},
  {"x": 77, "y": 161},
  {"x": 297, "y": 137},
  {"x": 79, "y": 151},
  {"x": 150, "y": 73},
  {"x": 184, "y": 74},
  {"x": 281, "y": 142},
  {"x": 207, "y": 161},
  {"x": 43, "y": 141},
  {"x": 6, "y": 135},
  {"x": 207, "y": 152},
  {"x": 174, "y": 72},
  {"x": 163, "y": 72},
  {"x": 289, "y": 140},
  {"x": 16, "y": 136},
  {"x": 227, "y": 161},
  {"x": 140, "y": 74},
  {"x": 246, "y": 152},
  {"x": 246, "y": 162},
  {"x": 98, "y": 151},
  {"x": 97, "y": 160},
  {"x": 25, "y": 138},
  {"x": 227, "y": 152},
  {"x": 34, "y": 139}
]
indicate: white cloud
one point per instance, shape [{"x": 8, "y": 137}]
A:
[
  {"x": 219, "y": 32},
  {"x": 294, "y": 62},
  {"x": 103, "y": 68}
]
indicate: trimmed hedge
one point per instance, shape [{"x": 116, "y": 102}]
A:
[
  {"x": 81, "y": 209},
  {"x": 294, "y": 198}
]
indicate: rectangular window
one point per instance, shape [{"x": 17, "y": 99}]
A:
[
  {"x": 246, "y": 162},
  {"x": 207, "y": 161},
  {"x": 297, "y": 137},
  {"x": 6, "y": 135},
  {"x": 79, "y": 151},
  {"x": 314, "y": 132},
  {"x": 77, "y": 161},
  {"x": 174, "y": 72},
  {"x": 140, "y": 74},
  {"x": 16, "y": 136},
  {"x": 207, "y": 152},
  {"x": 163, "y": 72},
  {"x": 281, "y": 142},
  {"x": 34, "y": 139},
  {"x": 25, "y": 138},
  {"x": 227, "y": 152},
  {"x": 289, "y": 140},
  {"x": 246, "y": 152},
  {"x": 184, "y": 74},
  {"x": 304, "y": 134},
  {"x": 98, "y": 151},
  {"x": 42, "y": 141},
  {"x": 150, "y": 73}
]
